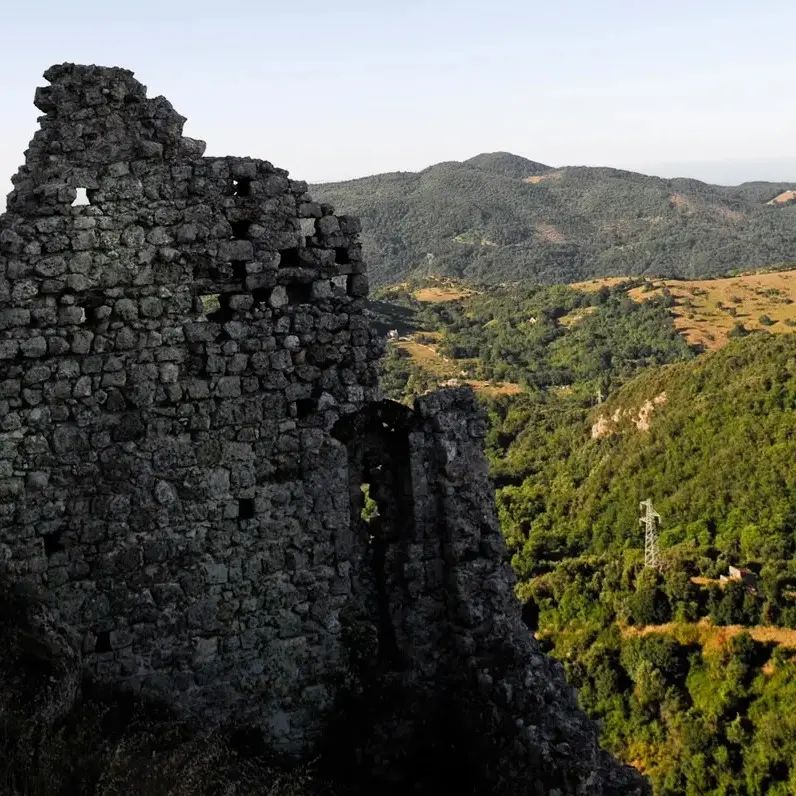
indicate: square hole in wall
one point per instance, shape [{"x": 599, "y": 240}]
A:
[
  {"x": 240, "y": 230},
  {"x": 239, "y": 269},
  {"x": 241, "y": 186},
  {"x": 299, "y": 293},
  {"x": 289, "y": 258},
  {"x": 81, "y": 200},
  {"x": 305, "y": 407},
  {"x": 52, "y": 543},
  {"x": 341, "y": 256},
  {"x": 246, "y": 508},
  {"x": 103, "y": 643}
]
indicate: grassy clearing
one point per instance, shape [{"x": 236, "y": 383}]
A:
[
  {"x": 593, "y": 285},
  {"x": 442, "y": 292},
  {"x": 710, "y": 636},
  {"x": 494, "y": 387},
  {"x": 575, "y": 317},
  {"x": 706, "y": 310},
  {"x": 784, "y": 197},
  {"x": 446, "y": 370},
  {"x": 428, "y": 358}
]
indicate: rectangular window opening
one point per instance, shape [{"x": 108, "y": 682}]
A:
[
  {"x": 82, "y": 198},
  {"x": 239, "y": 269},
  {"x": 299, "y": 293},
  {"x": 246, "y": 508},
  {"x": 305, "y": 407},
  {"x": 52, "y": 543},
  {"x": 341, "y": 256},
  {"x": 289, "y": 258},
  {"x": 242, "y": 186},
  {"x": 240, "y": 230}
]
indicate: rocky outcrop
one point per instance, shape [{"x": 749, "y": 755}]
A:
[{"x": 190, "y": 410}]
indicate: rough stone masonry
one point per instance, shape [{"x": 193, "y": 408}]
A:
[{"x": 189, "y": 408}]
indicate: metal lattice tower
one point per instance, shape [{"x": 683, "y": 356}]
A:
[{"x": 650, "y": 523}]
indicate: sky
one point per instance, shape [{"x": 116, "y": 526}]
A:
[{"x": 342, "y": 89}]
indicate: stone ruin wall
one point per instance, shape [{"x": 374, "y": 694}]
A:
[
  {"x": 189, "y": 406},
  {"x": 174, "y": 354}
]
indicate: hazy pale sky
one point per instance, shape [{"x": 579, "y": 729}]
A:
[{"x": 340, "y": 89}]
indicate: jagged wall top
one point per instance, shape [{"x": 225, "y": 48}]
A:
[
  {"x": 173, "y": 355},
  {"x": 73, "y": 134}
]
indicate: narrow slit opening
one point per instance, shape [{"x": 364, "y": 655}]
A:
[
  {"x": 239, "y": 269},
  {"x": 370, "y": 508},
  {"x": 246, "y": 508}
]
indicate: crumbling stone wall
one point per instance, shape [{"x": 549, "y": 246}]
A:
[
  {"x": 173, "y": 354},
  {"x": 189, "y": 408}
]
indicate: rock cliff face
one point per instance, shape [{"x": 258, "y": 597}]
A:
[{"x": 190, "y": 410}]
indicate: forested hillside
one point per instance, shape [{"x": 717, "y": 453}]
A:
[
  {"x": 500, "y": 217},
  {"x": 693, "y": 678},
  {"x": 715, "y": 454}
]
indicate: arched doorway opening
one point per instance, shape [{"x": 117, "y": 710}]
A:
[{"x": 382, "y": 514}]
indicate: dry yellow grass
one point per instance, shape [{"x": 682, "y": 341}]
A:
[
  {"x": 548, "y": 175},
  {"x": 438, "y": 289},
  {"x": 710, "y": 636},
  {"x": 700, "y": 581},
  {"x": 785, "y": 196},
  {"x": 706, "y": 310},
  {"x": 575, "y": 317},
  {"x": 494, "y": 387},
  {"x": 441, "y": 293},
  {"x": 428, "y": 358},
  {"x": 447, "y": 370},
  {"x": 593, "y": 285}
]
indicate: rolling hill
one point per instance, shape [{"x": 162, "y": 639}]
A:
[{"x": 499, "y": 217}]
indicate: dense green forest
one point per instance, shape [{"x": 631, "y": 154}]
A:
[
  {"x": 692, "y": 679},
  {"x": 542, "y": 337},
  {"x": 482, "y": 219}
]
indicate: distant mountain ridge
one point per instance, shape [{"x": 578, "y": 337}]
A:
[{"x": 498, "y": 217}]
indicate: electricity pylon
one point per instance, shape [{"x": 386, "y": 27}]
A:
[{"x": 650, "y": 523}]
